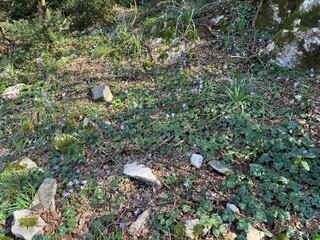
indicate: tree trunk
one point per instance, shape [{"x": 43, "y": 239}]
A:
[{"x": 44, "y": 12}]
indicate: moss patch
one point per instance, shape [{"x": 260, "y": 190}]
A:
[
  {"x": 66, "y": 143},
  {"x": 28, "y": 222}
]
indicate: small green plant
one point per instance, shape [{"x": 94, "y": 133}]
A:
[{"x": 137, "y": 43}]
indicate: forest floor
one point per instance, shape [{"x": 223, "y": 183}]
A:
[{"x": 260, "y": 120}]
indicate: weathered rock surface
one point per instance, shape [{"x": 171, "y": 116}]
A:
[
  {"x": 45, "y": 195},
  {"x": 190, "y": 228},
  {"x": 254, "y": 234},
  {"x": 297, "y": 40},
  {"x": 196, "y": 160},
  {"x": 27, "y": 163},
  {"x": 102, "y": 93},
  {"x": 13, "y": 91},
  {"x": 216, "y": 165},
  {"x": 25, "y": 232},
  {"x": 140, "y": 223},
  {"x": 233, "y": 208},
  {"x": 89, "y": 124},
  {"x": 64, "y": 142},
  {"x": 140, "y": 172}
]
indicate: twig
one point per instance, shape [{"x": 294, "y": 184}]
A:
[
  {"x": 168, "y": 139},
  {"x": 252, "y": 56},
  {"x": 254, "y": 25},
  {"x": 5, "y": 35}
]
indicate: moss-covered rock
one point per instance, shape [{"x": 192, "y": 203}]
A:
[
  {"x": 66, "y": 143},
  {"x": 297, "y": 43},
  {"x": 190, "y": 229}
]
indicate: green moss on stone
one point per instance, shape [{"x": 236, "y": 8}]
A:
[
  {"x": 308, "y": 19},
  {"x": 13, "y": 167},
  {"x": 28, "y": 222},
  {"x": 5, "y": 238},
  {"x": 197, "y": 230},
  {"x": 65, "y": 142},
  {"x": 179, "y": 230}
]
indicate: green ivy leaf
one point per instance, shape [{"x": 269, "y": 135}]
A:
[{"x": 305, "y": 165}]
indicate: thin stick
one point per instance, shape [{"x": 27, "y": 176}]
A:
[{"x": 254, "y": 25}]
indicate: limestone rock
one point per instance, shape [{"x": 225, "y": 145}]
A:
[
  {"x": 64, "y": 142},
  {"x": 297, "y": 40},
  {"x": 233, "y": 208},
  {"x": 216, "y": 165},
  {"x": 102, "y": 93},
  {"x": 254, "y": 234},
  {"x": 27, "y": 163},
  {"x": 89, "y": 124},
  {"x": 44, "y": 197},
  {"x": 22, "y": 231},
  {"x": 140, "y": 172},
  {"x": 140, "y": 223},
  {"x": 190, "y": 225},
  {"x": 189, "y": 229},
  {"x": 196, "y": 160},
  {"x": 13, "y": 91}
]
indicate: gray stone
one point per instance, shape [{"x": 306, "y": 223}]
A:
[
  {"x": 297, "y": 35},
  {"x": 102, "y": 93},
  {"x": 190, "y": 224},
  {"x": 196, "y": 160},
  {"x": 140, "y": 172},
  {"x": 25, "y": 232},
  {"x": 13, "y": 91},
  {"x": 140, "y": 223},
  {"x": 233, "y": 208},
  {"x": 44, "y": 197},
  {"x": 254, "y": 234},
  {"x": 89, "y": 124},
  {"x": 216, "y": 165},
  {"x": 27, "y": 163}
]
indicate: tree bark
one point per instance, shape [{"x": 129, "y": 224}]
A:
[{"x": 44, "y": 12}]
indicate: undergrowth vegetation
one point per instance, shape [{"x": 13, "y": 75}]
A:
[{"x": 263, "y": 122}]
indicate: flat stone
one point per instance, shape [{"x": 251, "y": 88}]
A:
[
  {"x": 233, "y": 208},
  {"x": 140, "y": 223},
  {"x": 254, "y": 234},
  {"x": 102, "y": 93},
  {"x": 13, "y": 91},
  {"x": 196, "y": 160},
  {"x": 27, "y": 163},
  {"x": 44, "y": 197},
  {"x": 216, "y": 165},
  {"x": 25, "y": 232},
  {"x": 140, "y": 172}
]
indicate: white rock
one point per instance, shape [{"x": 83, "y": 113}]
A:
[
  {"x": 254, "y": 234},
  {"x": 102, "y": 92},
  {"x": 233, "y": 208},
  {"x": 13, "y": 91},
  {"x": 140, "y": 223},
  {"x": 190, "y": 224},
  {"x": 27, "y": 163},
  {"x": 216, "y": 165},
  {"x": 140, "y": 172},
  {"x": 24, "y": 232},
  {"x": 44, "y": 197},
  {"x": 196, "y": 160}
]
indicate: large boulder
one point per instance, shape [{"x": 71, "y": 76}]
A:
[{"x": 296, "y": 43}]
